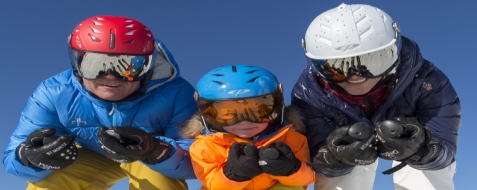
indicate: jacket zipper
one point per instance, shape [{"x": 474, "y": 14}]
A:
[{"x": 112, "y": 113}]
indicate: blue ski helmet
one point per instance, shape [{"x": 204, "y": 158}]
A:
[
  {"x": 239, "y": 82},
  {"x": 236, "y": 81}
]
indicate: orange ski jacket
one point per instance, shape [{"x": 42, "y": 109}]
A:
[{"x": 209, "y": 156}]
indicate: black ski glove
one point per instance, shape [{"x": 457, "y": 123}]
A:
[
  {"x": 353, "y": 145},
  {"x": 278, "y": 159},
  {"x": 242, "y": 162},
  {"x": 43, "y": 149},
  {"x": 129, "y": 144},
  {"x": 404, "y": 139},
  {"x": 324, "y": 159}
]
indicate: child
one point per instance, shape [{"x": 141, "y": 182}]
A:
[{"x": 245, "y": 143}]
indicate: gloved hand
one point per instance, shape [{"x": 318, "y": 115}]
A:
[
  {"x": 324, "y": 159},
  {"x": 404, "y": 139},
  {"x": 278, "y": 159},
  {"x": 43, "y": 149},
  {"x": 129, "y": 144},
  {"x": 353, "y": 145},
  {"x": 242, "y": 162}
]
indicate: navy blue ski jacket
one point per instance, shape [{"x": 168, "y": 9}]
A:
[
  {"x": 422, "y": 91},
  {"x": 62, "y": 103}
]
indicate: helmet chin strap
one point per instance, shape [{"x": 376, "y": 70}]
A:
[
  {"x": 135, "y": 95},
  {"x": 208, "y": 130}
]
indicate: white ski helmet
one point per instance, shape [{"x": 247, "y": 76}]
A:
[{"x": 352, "y": 40}]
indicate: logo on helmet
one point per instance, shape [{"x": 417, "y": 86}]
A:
[
  {"x": 237, "y": 92},
  {"x": 347, "y": 48},
  {"x": 78, "y": 42}
]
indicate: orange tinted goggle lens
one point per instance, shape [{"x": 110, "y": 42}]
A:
[{"x": 229, "y": 112}]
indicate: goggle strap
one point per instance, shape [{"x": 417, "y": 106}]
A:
[{"x": 207, "y": 130}]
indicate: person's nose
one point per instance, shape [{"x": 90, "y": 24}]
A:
[
  {"x": 109, "y": 76},
  {"x": 244, "y": 123},
  {"x": 356, "y": 77}
]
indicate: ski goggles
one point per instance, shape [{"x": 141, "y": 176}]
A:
[
  {"x": 370, "y": 65},
  {"x": 260, "y": 109},
  {"x": 93, "y": 65}
]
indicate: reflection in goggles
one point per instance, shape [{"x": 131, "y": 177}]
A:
[
  {"x": 133, "y": 69},
  {"x": 229, "y": 112},
  {"x": 340, "y": 70},
  {"x": 92, "y": 65},
  {"x": 370, "y": 65}
]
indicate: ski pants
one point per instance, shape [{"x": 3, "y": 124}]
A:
[
  {"x": 95, "y": 172},
  {"x": 407, "y": 178}
]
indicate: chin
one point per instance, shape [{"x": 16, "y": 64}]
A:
[
  {"x": 245, "y": 136},
  {"x": 357, "y": 94},
  {"x": 110, "y": 98}
]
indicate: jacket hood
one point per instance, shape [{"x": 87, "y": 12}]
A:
[
  {"x": 165, "y": 68},
  {"x": 194, "y": 126}
]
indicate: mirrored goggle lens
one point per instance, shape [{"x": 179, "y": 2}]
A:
[
  {"x": 260, "y": 109},
  {"x": 91, "y": 65},
  {"x": 370, "y": 65}
]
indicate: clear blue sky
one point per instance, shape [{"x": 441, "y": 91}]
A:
[{"x": 206, "y": 34}]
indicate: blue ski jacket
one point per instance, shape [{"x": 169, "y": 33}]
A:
[
  {"x": 62, "y": 103},
  {"x": 421, "y": 90}
]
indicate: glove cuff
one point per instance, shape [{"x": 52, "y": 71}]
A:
[
  {"x": 291, "y": 168},
  {"x": 334, "y": 172},
  {"x": 21, "y": 155},
  {"x": 427, "y": 152},
  {"x": 160, "y": 152},
  {"x": 232, "y": 175}
]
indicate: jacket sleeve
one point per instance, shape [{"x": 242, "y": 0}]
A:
[
  {"x": 439, "y": 109},
  {"x": 208, "y": 161},
  {"x": 318, "y": 126},
  {"x": 305, "y": 175},
  {"x": 178, "y": 165},
  {"x": 39, "y": 112}
]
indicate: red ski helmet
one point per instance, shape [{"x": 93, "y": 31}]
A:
[
  {"x": 112, "y": 44},
  {"x": 112, "y": 34}
]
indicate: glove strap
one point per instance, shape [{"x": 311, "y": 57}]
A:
[
  {"x": 395, "y": 168},
  {"x": 414, "y": 158}
]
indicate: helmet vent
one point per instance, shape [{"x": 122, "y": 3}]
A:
[
  {"x": 130, "y": 33},
  {"x": 94, "y": 38},
  {"x": 219, "y": 83},
  {"x": 97, "y": 23},
  {"x": 96, "y": 30},
  {"x": 218, "y": 75},
  {"x": 234, "y": 68},
  {"x": 251, "y": 72},
  {"x": 112, "y": 40},
  {"x": 130, "y": 41},
  {"x": 253, "y": 79}
]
